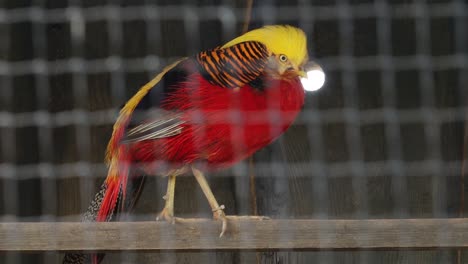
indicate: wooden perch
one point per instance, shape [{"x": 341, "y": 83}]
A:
[{"x": 202, "y": 234}]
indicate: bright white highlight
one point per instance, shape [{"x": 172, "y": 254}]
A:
[{"x": 315, "y": 79}]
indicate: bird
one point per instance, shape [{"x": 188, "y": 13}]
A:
[{"x": 203, "y": 113}]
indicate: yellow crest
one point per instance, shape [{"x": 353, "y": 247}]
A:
[{"x": 279, "y": 39}]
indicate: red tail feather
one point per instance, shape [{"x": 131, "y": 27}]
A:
[
  {"x": 109, "y": 201},
  {"x": 116, "y": 181}
]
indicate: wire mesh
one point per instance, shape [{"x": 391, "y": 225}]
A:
[{"x": 382, "y": 139}]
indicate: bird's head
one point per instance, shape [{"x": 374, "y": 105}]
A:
[{"x": 288, "y": 47}]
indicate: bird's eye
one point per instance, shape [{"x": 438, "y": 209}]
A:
[{"x": 283, "y": 58}]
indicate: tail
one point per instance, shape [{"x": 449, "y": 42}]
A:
[
  {"x": 114, "y": 189},
  {"x": 110, "y": 200}
]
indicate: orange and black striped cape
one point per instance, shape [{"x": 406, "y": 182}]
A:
[{"x": 234, "y": 66}]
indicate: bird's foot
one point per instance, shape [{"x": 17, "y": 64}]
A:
[
  {"x": 218, "y": 214},
  {"x": 166, "y": 215}
]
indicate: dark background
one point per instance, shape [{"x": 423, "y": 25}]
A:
[{"x": 382, "y": 139}]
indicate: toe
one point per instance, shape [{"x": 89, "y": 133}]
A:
[{"x": 164, "y": 215}]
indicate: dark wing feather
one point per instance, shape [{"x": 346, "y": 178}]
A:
[
  {"x": 234, "y": 66},
  {"x": 165, "y": 87}
]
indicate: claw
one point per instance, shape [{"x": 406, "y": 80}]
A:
[
  {"x": 223, "y": 226},
  {"x": 218, "y": 214}
]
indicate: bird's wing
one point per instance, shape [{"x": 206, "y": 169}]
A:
[{"x": 234, "y": 66}]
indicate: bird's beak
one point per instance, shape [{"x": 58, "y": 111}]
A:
[
  {"x": 300, "y": 71},
  {"x": 302, "y": 74}
]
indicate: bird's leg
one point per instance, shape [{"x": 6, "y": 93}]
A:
[
  {"x": 218, "y": 212},
  {"x": 168, "y": 211}
]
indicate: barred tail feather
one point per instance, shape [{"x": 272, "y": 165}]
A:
[{"x": 76, "y": 258}]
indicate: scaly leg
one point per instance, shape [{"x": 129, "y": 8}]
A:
[
  {"x": 168, "y": 212},
  {"x": 218, "y": 212}
]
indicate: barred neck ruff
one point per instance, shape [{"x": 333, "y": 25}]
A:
[{"x": 234, "y": 66}]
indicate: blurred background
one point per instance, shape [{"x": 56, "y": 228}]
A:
[{"x": 386, "y": 137}]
